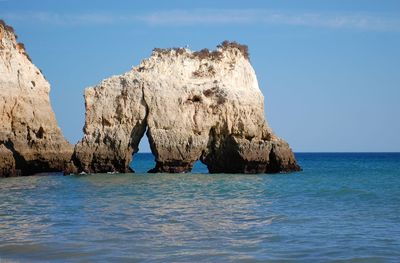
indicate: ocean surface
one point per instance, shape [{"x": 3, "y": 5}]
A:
[{"x": 340, "y": 208}]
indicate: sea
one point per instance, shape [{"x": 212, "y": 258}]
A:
[{"x": 343, "y": 207}]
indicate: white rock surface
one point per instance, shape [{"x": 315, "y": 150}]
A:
[
  {"x": 195, "y": 105},
  {"x": 28, "y": 127}
]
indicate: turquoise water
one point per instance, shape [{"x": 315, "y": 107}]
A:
[{"x": 341, "y": 208}]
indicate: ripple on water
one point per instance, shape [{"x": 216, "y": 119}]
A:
[{"x": 331, "y": 212}]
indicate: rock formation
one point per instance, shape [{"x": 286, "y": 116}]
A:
[
  {"x": 194, "y": 105},
  {"x": 30, "y": 139}
]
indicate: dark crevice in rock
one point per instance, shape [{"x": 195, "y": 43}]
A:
[
  {"x": 273, "y": 164},
  {"x": 40, "y": 133},
  {"x": 24, "y": 167},
  {"x": 195, "y": 99},
  {"x": 222, "y": 155}
]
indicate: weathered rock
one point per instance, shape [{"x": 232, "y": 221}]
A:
[
  {"x": 195, "y": 105},
  {"x": 115, "y": 122},
  {"x": 30, "y": 139},
  {"x": 7, "y": 163}
]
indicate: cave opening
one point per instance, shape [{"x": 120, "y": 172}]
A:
[
  {"x": 143, "y": 160},
  {"x": 199, "y": 168}
]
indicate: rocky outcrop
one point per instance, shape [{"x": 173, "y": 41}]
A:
[
  {"x": 7, "y": 162},
  {"x": 30, "y": 139},
  {"x": 194, "y": 105}
]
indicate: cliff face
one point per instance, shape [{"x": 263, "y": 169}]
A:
[
  {"x": 195, "y": 105},
  {"x": 30, "y": 139}
]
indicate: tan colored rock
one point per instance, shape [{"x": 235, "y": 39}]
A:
[
  {"x": 28, "y": 127},
  {"x": 115, "y": 123},
  {"x": 195, "y": 105},
  {"x": 7, "y": 162}
]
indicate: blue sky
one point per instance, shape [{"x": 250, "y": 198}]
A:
[{"x": 329, "y": 69}]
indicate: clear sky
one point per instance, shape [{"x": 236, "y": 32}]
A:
[{"x": 329, "y": 69}]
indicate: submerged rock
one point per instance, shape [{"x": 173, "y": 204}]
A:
[
  {"x": 30, "y": 139},
  {"x": 194, "y": 105}
]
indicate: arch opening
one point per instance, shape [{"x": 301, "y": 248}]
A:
[
  {"x": 199, "y": 168},
  {"x": 143, "y": 160}
]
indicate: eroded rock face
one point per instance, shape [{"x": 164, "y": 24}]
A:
[
  {"x": 7, "y": 162},
  {"x": 195, "y": 105},
  {"x": 30, "y": 139}
]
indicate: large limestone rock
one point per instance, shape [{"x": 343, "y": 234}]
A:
[
  {"x": 195, "y": 105},
  {"x": 30, "y": 139}
]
